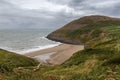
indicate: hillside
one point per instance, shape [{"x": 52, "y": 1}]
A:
[
  {"x": 84, "y": 29},
  {"x": 10, "y": 60},
  {"x": 99, "y": 61},
  {"x": 101, "y": 58}
]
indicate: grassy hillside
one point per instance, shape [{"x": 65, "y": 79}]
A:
[
  {"x": 101, "y": 58},
  {"x": 84, "y": 29},
  {"x": 99, "y": 61},
  {"x": 9, "y": 61}
]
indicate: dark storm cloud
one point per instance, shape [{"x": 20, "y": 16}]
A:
[
  {"x": 103, "y": 7},
  {"x": 52, "y": 13}
]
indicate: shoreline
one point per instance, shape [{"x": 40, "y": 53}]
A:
[
  {"x": 63, "y": 41},
  {"x": 38, "y": 48},
  {"x": 61, "y": 52}
]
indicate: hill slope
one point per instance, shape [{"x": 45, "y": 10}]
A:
[
  {"x": 99, "y": 61},
  {"x": 84, "y": 29},
  {"x": 101, "y": 58},
  {"x": 9, "y": 61}
]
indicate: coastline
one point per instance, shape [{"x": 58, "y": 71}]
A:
[
  {"x": 57, "y": 39},
  {"x": 61, "y": 53}
]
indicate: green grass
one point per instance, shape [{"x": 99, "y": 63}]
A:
[
  {"x": 101, "y": 50},
  {"x": 9, "y": 61},
  {"x": 99, "y": 61},
  {"x": 94, "y": 30}
]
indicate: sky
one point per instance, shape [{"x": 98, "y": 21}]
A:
[{"x": 52, "y": 13}]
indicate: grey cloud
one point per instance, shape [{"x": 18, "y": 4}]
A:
[
  {"x": 12, "y": 16},
  {"x": 91, "y": 7},
  {"x": 76, "y": 3},
  {"x": 4, "y": 4}
]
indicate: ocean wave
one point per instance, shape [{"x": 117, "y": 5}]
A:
[
  {"x": 38, "y": 48},
  {"x": 25, "y": 41}
]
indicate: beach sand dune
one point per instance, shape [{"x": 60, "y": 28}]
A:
[{"x": 61, "y": 53}]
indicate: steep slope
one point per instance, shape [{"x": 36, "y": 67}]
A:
[
  {"x": 101, "y": 34},
  {"x": 9, "y": 61},
  {"x": 101, "y": 58},
  {"x": 84, "y": 29},
  {"x": 99, "y": 61}
]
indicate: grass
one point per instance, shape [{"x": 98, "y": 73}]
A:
[
  {"x": 84, "y": 65},
  {"x": 99, "y": 61},
  {"x": 9, "y": 61},
  {"x": 102, "y": 48}
]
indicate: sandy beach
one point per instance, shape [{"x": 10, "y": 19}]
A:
[{"x": 58, "y": 54}]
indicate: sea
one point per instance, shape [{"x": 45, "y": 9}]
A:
[{"x": 23, "y": 41}]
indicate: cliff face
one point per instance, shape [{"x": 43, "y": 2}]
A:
[{"x": 84, "y": 29}]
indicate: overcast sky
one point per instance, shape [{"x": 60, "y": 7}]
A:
[{"x": 52, "y": 13}]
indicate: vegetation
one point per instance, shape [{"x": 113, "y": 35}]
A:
[
  {"x": 10, "y": 61},
  {"x": 86, "y": 28},
  {"x": 99, "y": 61}
]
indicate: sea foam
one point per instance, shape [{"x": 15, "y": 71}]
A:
[{"x": 38, "y": 48}]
